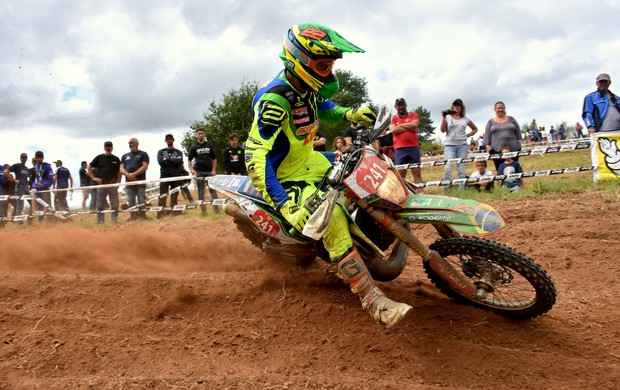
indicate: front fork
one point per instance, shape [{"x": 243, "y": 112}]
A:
[{"x": 457, "y": 280}]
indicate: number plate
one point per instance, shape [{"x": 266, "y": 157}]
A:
[{"x": 265, "y": 222}]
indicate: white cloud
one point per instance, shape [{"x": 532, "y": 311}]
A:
[{"x": 78, "y": 73}]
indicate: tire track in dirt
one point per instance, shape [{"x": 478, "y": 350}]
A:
[{"x": 181, "y": 304}]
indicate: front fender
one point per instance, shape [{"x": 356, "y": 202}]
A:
[{"x": 466, "y": 216}]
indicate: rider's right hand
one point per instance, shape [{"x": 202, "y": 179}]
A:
[
  {"x": 295, "y": 215},
  {"x": 347, "y": 148}
]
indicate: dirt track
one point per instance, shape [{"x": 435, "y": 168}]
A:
[{"x": 190, "y": 304}]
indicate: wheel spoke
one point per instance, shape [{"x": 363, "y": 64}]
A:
[{"x": 507, "y": 281}]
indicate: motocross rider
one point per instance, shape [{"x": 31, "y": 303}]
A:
[{"x": 281, "y": 160}]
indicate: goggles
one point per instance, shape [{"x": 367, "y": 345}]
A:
[{"x": 322, "y": 67}]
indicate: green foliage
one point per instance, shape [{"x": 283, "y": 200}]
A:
[
  {"x": 433, "y": 145},
  {"x": 233, "y": 114},
  {"x": 353, "y": 92},
  {"x": 532, "y": 125},
  {"x": 426, "y": 129},
  {"x": 534, "y": 186}
]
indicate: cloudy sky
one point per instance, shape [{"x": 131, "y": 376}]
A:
[{"x": 77, "y": 73}]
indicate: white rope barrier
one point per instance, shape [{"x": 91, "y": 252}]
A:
[
  {"x": 484, "y": 180},
  {"x": 585, "y": 144},
  {"x": 49, "y": 211}
]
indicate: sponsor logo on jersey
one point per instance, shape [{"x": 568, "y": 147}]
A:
[
  {"x": 254, "y": 141},
  {"x": 305, "y": 130},
  {"x": 301, "y": 121}
]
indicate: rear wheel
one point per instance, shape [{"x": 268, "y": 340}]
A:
[{"x": 508, "y": 282}]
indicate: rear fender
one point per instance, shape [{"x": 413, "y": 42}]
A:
[
  {"x": 465, "y": 216},
  {"x": 254, "y": 207}
]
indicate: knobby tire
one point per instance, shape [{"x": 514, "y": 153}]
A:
[{"x": 472, "y": 255}]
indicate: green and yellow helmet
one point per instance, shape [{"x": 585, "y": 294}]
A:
[{"x": 309, "y": 52}]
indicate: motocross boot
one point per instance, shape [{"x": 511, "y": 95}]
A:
[{"x": 385, "y": 311}]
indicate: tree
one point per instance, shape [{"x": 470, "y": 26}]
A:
[
  {"x": 426, "y": 129},
  {"x": 232, "y": 115},
  {"x": 353, "y": 92}
]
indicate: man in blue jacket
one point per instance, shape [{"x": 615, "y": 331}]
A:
[
  {"x": 42, "y": 181},
  {"x": 601, "y": 109}
]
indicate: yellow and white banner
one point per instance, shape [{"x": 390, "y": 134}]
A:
[{"x": 606, "y": 155}]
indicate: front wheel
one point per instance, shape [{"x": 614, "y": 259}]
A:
[{"x": 508, "y": 282}]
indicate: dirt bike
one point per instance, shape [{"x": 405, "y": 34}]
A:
[{"x": 381, "y": 207}]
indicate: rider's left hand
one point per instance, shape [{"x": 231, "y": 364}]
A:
[
  {"x": 363, "y": 115},
  {"x": 295, "y": 215}
]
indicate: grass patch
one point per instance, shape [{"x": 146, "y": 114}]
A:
[{"x": 572, "y": 183}]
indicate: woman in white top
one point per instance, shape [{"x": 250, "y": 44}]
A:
[{"x": 455, "y": 146}]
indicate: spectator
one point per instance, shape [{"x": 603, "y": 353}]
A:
[
  {"x": 455, "y": 146},
  {"x": 105, "y": 169},
  {"x": 133, "y": 166},
  {"x": 42, "y": 181},
  {"x": 350, "y": 133},
  {"x": 546, "y": 136},
  {"x": 553, "y": 137},
  {"x": 404, "y": 128},
  {"x": 502, "y": 130},
  {"x": 338, "y": 144},
  {"x": 8, "y": 189},
  {"x": 601, "y": 109},
  {"x": 62, "y": 181},
  {"x": 19, "y": 175},
  {"x": 579, "y": 130},
  {"x": 320, "y": 140},
  {"x": 204, "y": 165},
  {"x": 3, "y": 203},
  {"x": 170, "y": 160},
  {"x": 562, "y": 132},
  {"x": 86, "y": 182},
  {"x": 234, "y": 158},
  {"x": 481, "y": 145},
  {"x": 481, "y": 172},
  {"x": 508, "y": 167}
]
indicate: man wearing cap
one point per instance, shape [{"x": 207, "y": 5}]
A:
[
  {"x": 18, "y": 174},
  {"x": 133, "y": 166},
  {"x": 170, "y": 160},
  {"x": 601, "y": 109},
  {"x": 404, "y": 128},
  {"x": 105, "y": 169},
  {"x": 42, "y": 181},
  {"x": 62, "y": 178}
]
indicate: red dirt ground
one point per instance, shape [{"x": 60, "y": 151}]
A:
[{"x": 188, "y": 303}]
